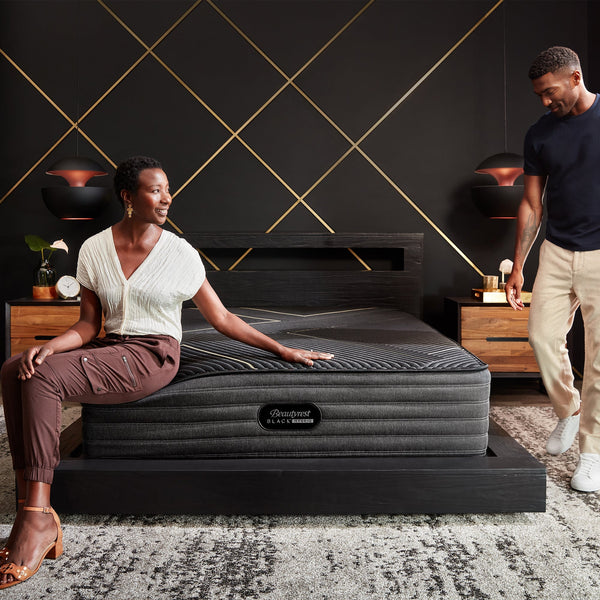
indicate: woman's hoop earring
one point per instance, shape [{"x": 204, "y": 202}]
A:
[{"x": 129, "y": 211}]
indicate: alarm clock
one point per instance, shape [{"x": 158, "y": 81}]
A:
[{"x": 67, "y": 287}]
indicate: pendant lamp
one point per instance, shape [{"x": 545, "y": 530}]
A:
[
  {"x": 500, "y": 200},
  {"x": 76, "y": 201}
]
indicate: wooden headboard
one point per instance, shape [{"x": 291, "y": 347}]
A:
[{"x": 338, "y": 270}]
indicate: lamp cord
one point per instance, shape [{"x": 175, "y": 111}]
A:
[
  {"x": 504, "y": 75},
  {"x": 77, "y": 33}
]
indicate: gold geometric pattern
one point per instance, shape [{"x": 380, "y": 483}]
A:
[{"x": 300, "y": 199}]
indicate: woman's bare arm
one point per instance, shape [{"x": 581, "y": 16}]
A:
[
  {"x": 232, "y": 326},
  {"x": 85, "y": 330}
]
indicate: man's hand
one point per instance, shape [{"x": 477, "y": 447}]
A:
[{"x": 513, "y": 288}]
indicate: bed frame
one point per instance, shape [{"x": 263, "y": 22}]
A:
[{"x": 360, "y": 269}]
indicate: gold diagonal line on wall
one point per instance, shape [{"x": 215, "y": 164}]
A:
[
  {"x": 35, "y": 166},
  {"x": 92, "y": 143},
  {"x": 216, "y": 116},
  {"x": 35, "y": 85},
  {"x": 149, "y": 49},
  {"x": 296, "y": 203},
  {"x": 75, "y": 125},
  {"x": 355, "y": 145},
  {"x": 388, "y": 113},
  {"x": 420, "y": 212},
  {"x": 60, "y": 139},
  {"x": 212, "y": 112},
  {"x": 289, "y": 81},
  {"x": 430, "y": 71},
  {"x": 402, "y": 99},
  {"x": 243, "y": 256},
  {"x": 271, "y": 62},
  {"x": 235, "y": 134},
  {"x": 221, "y": 121}
]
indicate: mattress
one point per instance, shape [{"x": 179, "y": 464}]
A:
[{"x": 396, "y": 387}]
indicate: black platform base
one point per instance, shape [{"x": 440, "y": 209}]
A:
[{"x": 508, "y": 479}]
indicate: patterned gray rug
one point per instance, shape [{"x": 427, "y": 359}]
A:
[{"x": 527, "y": 556}]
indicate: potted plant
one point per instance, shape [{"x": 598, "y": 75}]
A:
[{"x": 44, "y": 276}]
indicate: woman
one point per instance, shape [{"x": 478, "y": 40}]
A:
[{"x": 138, "y": 275}]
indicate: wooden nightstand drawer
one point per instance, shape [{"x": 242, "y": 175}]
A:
[
  {"x": 30, "y": 325},
  {"x": 29, "y": 322},
  {"x": 479, "y": 322},
  {"x": 496, "y": 334},
  {"x": 504, "y": 355}
]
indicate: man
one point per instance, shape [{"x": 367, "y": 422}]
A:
[{"x": 562, "y": 159}]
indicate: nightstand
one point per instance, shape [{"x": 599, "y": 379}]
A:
[
  {"x": 495, "y": 333},
  {"x": 30, "y": 322}
]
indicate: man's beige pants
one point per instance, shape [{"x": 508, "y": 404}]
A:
[{"x": 565, "y": 281}]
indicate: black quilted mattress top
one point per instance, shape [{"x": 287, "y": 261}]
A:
[{"x": 362, "y": 339}]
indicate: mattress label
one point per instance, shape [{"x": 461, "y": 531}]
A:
[{"x": 289, "y": 416}]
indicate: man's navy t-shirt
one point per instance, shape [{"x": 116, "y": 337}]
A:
[{"x": 567, "y": 151}]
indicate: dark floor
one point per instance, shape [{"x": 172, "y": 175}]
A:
[{"x": 520, "y": 392}]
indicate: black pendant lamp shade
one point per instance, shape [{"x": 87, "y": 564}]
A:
[
  {"x": 500, "y": 201},
  {"x": 77, "y": 201}
]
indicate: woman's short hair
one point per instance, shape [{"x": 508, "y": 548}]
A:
[
  {"x": 552, "y": 60},
  {"x": 128, "y": 172}
]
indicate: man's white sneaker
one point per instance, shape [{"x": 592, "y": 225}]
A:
[
  {"x": 561, "y": 439},
  {"x": 587, "y": 474}
]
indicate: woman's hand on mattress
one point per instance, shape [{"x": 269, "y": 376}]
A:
[
  {"x": 232, "y": 326},
  {"x": 305, "y": 357},
  {"x": 31, "y": 358}
]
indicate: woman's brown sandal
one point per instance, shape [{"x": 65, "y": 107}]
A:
[
  {"x": 54, "y": 550},
  {"x": 4, "y": 552}
]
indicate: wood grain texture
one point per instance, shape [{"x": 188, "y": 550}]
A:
[
  {"x": 498, "y": 336},
  {"x": 30, "y": 322},
  {"x": 399, "y": 286},
  {"x": 493, "y": 321},
  {"x": 504, "y": 356},
  {"x": 507, "y": 479},
  {"x": 30, "y": 325}
]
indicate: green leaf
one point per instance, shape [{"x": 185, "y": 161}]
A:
[{"x": 36, "y": 243}]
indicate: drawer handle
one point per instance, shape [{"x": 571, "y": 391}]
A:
[
  {"x": 44, "y": 337},
  {"x": 507, "y": 339}
]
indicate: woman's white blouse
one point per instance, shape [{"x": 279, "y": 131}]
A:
[{"x": 149, "y": 302}]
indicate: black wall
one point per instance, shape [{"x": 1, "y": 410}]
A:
[{"x": 439, "y": 62}]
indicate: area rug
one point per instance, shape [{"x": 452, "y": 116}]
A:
[{"x": 527, "y": 556}]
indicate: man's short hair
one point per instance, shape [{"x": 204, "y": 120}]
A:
[{"x": 552, "y": 60}]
